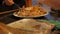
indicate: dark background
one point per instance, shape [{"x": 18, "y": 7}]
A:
[{"x": 4, "y": 7}]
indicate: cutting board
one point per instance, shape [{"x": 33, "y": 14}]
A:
[{"x": 8, "y": 30}]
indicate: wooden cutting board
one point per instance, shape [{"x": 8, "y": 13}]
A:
[{"x": 8, "y": 30}]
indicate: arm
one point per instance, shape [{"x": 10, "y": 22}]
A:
[{"x": 52, "y": 3}]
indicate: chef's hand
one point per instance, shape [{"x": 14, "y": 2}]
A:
[{"x": 9, "y": 2}]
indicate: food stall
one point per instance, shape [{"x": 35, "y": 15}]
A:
[{"x": 32, "y": 19}]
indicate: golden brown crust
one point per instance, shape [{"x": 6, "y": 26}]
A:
[{"x": 32, "y": 11}]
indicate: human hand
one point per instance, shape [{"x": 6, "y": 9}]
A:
[{"x": 8, "y": 2}]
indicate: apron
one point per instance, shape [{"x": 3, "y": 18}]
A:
[{"x": 20, "y": 2}]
